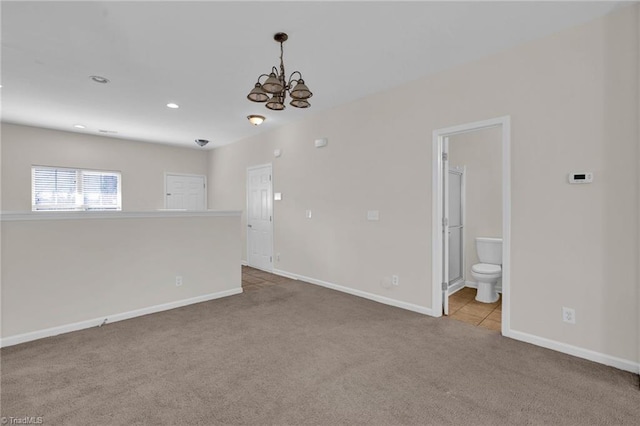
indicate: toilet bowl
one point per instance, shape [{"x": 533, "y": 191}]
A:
[{"x": 489, "y": 270}]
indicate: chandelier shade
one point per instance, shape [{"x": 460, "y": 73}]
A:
[
  {"x": 300, "y": 91},
  {"x": 258, "y": 94},
  {"x": 278, "y": 86},
  {"x": 272, "y": 85},
  {"x": 300, "y": 103},
  {"x": 276, "y": 103}
]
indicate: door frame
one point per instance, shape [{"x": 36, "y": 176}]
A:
[
  {"x": 246, "y": 216},
  {"x": 206, "y": 186},
  {"x": 436, "y": 201}
]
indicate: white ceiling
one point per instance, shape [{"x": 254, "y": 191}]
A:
[{"x": 206, "y": 56}]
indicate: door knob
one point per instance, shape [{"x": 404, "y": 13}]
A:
[{"x": 249, "y": 226}]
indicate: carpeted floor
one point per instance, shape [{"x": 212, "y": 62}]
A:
[{"x": 294, "y": 353}]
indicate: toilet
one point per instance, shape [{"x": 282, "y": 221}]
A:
[{"x": 489, "y": 270}]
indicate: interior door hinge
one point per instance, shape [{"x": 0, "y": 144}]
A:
[
  {"x": 444, "y": 286},
  {"x": 270, "y": 219},
  {"x": 445, "y": 221},
  {"x": 269, "y": 178},
  {"x": 445, "y": 156},
  {"x": 270, "y": 259}
]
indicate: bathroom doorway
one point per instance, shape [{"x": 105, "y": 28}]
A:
[{"x": 450, "y": 271}]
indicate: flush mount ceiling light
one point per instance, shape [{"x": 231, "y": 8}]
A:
[
  {"x": 79, "y": 126},
  {"x": 276, "y": 85},
  {"x": 172, "y": 105},
  {"x": 99, "y": 79},
  {"x": 202, "y": 142},
  {"x": 256, "y": 120}
]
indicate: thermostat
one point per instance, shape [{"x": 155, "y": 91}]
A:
[{"x": 580, "y": 177}]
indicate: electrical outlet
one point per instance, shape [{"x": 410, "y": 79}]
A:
[
  {"x": 178, "y": 281},
  {"x": 395, "y": 280},
  {"x": 569, "y": 315}
]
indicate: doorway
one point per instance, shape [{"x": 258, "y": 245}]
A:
[
  {"x": 185, "y": 192},
  {"x": 441, "y": 217},
  {"x": 260, "y": 217}
]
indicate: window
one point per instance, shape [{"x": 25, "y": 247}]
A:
[{"x": 54, "y": 188}]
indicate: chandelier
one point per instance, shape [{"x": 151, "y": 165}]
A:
[{"x": 275, "y": 88}]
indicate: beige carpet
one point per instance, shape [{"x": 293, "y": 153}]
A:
[{"x": 294, "y": 353}]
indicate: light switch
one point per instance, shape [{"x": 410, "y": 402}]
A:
[
  {"x": 308, "y": 214},
  {"x": 277, "y": 196},
  {"x": 373, "y": 215}
]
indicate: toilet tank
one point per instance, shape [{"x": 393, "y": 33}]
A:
[{"x": 489, "y": 250}]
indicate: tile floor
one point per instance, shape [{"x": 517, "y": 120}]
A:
[{"x": 464, "y": 307}]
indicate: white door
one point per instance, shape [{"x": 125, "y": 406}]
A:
[
  {"x": 445, "y": 226},
  {"x": 185, "y": 192},
  {"x": 259, "y": 217}
]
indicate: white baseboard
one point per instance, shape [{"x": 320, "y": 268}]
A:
[
  {"x": 244, "y": 263},
  {"x": 54, "y": 331},
  {"x": 622, "y": 364},
  {"x": 359, "y": 293}
]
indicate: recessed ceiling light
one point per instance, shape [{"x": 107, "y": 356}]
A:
[
  {"x": 99, "y": 79},
  {"x": 202, "y": 142},
  {"x": 79, "y": 126},
  {"x": 172, "y": 105}
]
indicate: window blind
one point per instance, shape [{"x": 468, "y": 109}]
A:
[{"x": 55, "y": 188}]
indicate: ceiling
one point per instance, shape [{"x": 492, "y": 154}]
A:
[{"x": 206, "y": 56}]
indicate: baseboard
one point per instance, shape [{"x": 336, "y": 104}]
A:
[
  {"x": 244, "y": 263},
  {"x": 359, "y": 293},
  {"x": 622, "y": 364},
  {"x": 54, "y": 331}
]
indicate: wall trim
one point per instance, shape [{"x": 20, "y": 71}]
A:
[
  {"x": 54, "y": 331},
  {"x": 371, "y": 296},
  {"x": 622, "y": 364},
  {"x": 63, "y": 215}
]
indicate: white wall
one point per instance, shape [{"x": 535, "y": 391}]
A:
[
  {"x": 573, "y": 102},
  {"x": 57, "y": 272},
  {"x": 142, "y": 164},
  {"x": 480, "y": 152}
]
